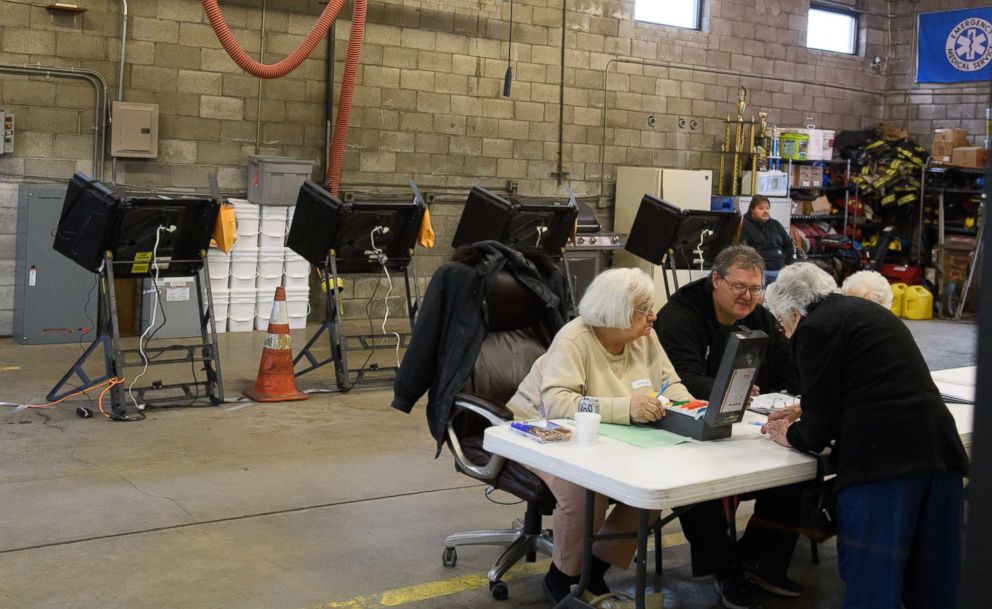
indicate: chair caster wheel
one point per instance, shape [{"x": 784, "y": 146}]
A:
[
  {"x": 449, "y": 558},
  {"x": 499, "y": 590}
]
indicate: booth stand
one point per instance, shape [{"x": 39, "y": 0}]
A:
[
  {"x": 359, "y": 238},
  {"x": 118, "y": 236},
  {"x": 665, "y": 235},
  {"x": 544, "y": 227}
]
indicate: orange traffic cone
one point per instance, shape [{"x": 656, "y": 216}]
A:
[{"x": 276, "y": 382}]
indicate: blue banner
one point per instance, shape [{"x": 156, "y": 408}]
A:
[{"x": 954, "y": 46}]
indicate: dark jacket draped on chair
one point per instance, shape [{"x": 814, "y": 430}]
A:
[{"x": 452, "y": 322}]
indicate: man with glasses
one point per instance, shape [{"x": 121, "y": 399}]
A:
[{"x": 694, "y": 327}]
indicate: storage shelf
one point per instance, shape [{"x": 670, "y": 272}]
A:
[
  {"x": 816, "y": 217},
  {"x": 842, "y": 253}
]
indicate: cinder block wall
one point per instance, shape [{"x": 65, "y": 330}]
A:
[
  {"x": 428, "y": 103},
  {"x": 923, "y": 107}
]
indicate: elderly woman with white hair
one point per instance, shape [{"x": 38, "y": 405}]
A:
[
  {"x": 610, "y": 352},
  {"x": 871, "y": 285},
  {"x": 897, "y": 453}
]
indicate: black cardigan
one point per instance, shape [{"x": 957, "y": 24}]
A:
[
  {"x": 867, "y": 387},
  {"x": 694, "y": 340},
  {"x": 770, "y": 239},
  {"x": 451, "y": 326}
]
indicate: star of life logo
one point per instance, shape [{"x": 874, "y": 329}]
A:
[{"x": 968, "y": 47}]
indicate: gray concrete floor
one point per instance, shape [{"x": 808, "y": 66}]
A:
[{"x": 332, "y": 502}]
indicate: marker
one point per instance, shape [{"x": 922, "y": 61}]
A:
[
  {"x": 757, "y": 423},
  {"x": 664, "y": 386}
]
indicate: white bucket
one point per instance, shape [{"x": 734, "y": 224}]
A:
[
  {"x": 298, "y": 306},
  {"x": 296, "y": 265},
  {"x": 221, "y": 306},
  {"x": 219, "y": 267},
  {"x": 268, "y": 284},
  {"x": 241, "y": 310},
  {"x": 244, "y": 269},
  {"x": 247, "y": 215},
  {"x": 270, "y": 262},
  {"x": 246, "y": 243},
  {"x": 272, "y": 227},
  {"x": 263, "y": 306}
]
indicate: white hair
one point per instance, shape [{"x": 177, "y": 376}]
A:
[
  {"x": 798, "y": 286},
  {"x": 871, "y": 285},
  {"x": 609, "y": 300}
]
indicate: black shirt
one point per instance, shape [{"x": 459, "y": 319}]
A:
[
  {"x": 694, "y": 340},
  {"x": 867, "y": 387},
  {"x": 770, "y": 239}
]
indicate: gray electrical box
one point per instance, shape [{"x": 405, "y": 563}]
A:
[
  {"x": 134, "y": 130},
  {"x": 55, "y": 299},
  {"x": 177, "y": 315}
]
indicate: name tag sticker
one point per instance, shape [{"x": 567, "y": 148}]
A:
[{"x": 641, "y": 383}]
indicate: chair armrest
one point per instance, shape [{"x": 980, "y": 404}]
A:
[{"x": 492, "y": 413}]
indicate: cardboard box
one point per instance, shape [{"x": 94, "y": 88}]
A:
[
  {"x": 802, "y": 176},
  {"x": 941, "y": 152},
  {"x": 969, "y": 156},
  {"x": 816, "y": 177},
  {"x": 956, "y": 136}
]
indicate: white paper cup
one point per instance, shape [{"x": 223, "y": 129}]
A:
[{"x": 586, "y": 428}]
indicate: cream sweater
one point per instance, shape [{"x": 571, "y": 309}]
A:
[{"x": 577, "y": 364}]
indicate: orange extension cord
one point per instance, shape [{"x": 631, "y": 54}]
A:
[
  {"x": 294, "y": 59},
  {"x": 107, "y": 386}
]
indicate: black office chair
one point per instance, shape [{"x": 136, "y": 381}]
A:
[{"x": 515, "y": 338}]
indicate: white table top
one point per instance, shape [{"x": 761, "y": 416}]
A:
[
  {"x": 674, "y": 476},
  {"x": 956, "y": 376}
]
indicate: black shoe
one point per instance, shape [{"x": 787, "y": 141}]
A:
[
  {"x": 597, "y": 581},
  {"x": 775, "y": 584},
  {"x": 735, "y": 591},
  {"x": 557, "y": 585}
]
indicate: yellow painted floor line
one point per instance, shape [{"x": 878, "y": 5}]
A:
[
  {"x": 9, "y": 368},
  {"x": 464, "y": 583}
]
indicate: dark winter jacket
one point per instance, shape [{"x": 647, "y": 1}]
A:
[
  {"x": 451, "y": 326},
  {"x": 867, "y": 387},
  {"x": 771, "y": 240},
  {"x": 694, "y": 340}
]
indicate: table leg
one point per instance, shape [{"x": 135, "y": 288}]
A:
[{"x": 643, "y": 529}]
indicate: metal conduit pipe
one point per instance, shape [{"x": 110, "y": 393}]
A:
[
  {"x": 102, "y": 94},
  {"x": 682, "y": 66},
  {"x": 120, "y": 79}
]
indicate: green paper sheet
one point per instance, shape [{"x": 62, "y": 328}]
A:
[{"x": 641, "y": 436}]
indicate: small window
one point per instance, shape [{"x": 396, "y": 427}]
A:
[
  {"x": 832, "y": 30},
  {"x": 678, "y": 13}
]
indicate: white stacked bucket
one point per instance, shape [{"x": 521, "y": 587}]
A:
[
  {"x": 244, "y": 263},
  {"x": 272, "y": 255},
  {"x": 296, "y": 280},
  {"x": 219, "y": 266}
]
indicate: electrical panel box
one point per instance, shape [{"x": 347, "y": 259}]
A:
[
  {"x": 6, "y": 132},
  {"x": 135, "y": 130},
  {"x": 55, "y": 301},
  {"x": 177, "y": 314}
]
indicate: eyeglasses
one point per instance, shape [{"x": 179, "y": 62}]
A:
[
  {"x": 646, "y": 310},
  {"x": 739, "y": 288}
]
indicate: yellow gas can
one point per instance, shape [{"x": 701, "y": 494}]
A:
[
  {"x": 917, "y": 303},
  {"x": 898, "y": 297}
]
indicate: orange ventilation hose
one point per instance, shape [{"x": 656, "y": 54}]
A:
[
  {"x": 294, "y": 59},
  {"x": 336, "y": 158}
]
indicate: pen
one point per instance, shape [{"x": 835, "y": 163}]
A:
[
  {"x": 664, "y": 386},
  {"x": 757, "y": 423}
]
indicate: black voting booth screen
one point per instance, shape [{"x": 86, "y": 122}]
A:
[
  {"x": 323, "y": 222},
  {"x": 521, "y": 226},
  {"x": 660, "y": 226},
  {"x": 97, "y": 219}
]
